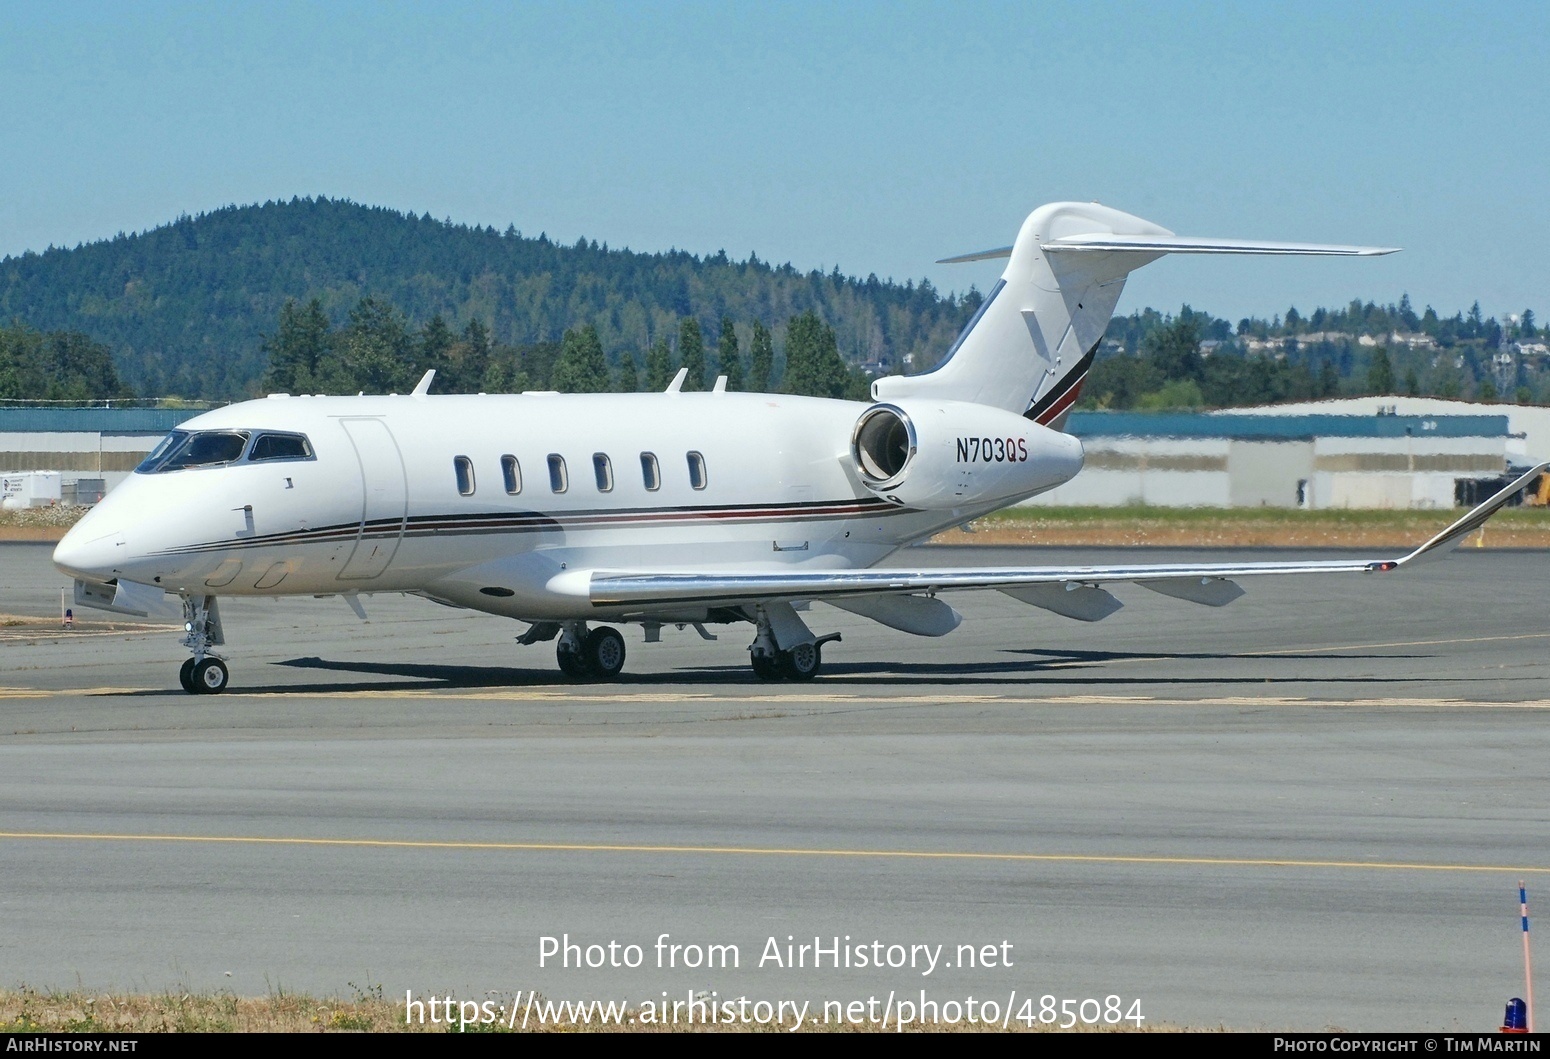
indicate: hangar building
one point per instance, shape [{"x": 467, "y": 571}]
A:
[{"x": 1294, "y": 460}]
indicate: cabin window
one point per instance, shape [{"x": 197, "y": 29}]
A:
[
  {"x": 650, "y": 473},
  {"x": 465, "y": 474},
  {"x": 696, "y": 470},
  {"x": 603, "y": 468},
  {"x": 558, "y": 481},
  {"x": 280, "y": 447},
  {"x": 511, "y": 471}
]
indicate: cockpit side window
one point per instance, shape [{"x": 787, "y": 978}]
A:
[
  {"x": 152, "y": 463},
  {"x": 206, "y": 448},
  {"x": 280, "y": 447}
]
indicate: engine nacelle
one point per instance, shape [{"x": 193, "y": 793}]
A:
[{"x": 946, "y": 454}]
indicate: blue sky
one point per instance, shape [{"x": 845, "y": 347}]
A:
[{"x": 877, "y": 137}]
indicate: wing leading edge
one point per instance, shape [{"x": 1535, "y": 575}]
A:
[{"x": 1205, "y": 583}]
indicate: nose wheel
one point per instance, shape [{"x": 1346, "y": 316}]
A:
[{"x": 206, "y": 676}]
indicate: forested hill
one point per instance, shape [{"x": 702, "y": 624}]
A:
[{"x": 186, "y": 308}]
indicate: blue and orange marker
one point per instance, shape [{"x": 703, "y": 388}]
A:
[{"x": 1520, "y": 1015}]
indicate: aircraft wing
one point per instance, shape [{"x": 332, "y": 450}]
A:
[{"x": 1069, "y": 590}]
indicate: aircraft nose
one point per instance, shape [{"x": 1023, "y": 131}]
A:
[{"x": 86, "y": 553}]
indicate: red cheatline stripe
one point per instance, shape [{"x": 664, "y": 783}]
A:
[
  {"x": 430, "y": 525},
  {"x": 1066, "y": 401}
]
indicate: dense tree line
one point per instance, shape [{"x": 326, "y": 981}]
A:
[
  {"x": 55, "y": 366},
  {"x": 379, "y": 351},
  {"x": 321, "y": 295},
  {"x": 187, "y": 307},
  {"x": 1150, "y": 360}
]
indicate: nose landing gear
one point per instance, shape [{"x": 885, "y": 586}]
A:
[
  {"x": 206, "y": 676},
  {"x": 203, "y": 674}
]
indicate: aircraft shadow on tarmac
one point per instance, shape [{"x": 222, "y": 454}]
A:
[{"x": 1040, "y": 667}]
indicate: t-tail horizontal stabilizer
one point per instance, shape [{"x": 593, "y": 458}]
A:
[{"x": 1178, "y": 244}]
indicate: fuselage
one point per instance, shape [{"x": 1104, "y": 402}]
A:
[{"x": 484, "y": 501}]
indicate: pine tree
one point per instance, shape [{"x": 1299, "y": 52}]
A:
[
  {"x": 1407, "y": 314},
  {"x": 691, "y": 353},
  {"x": 659, "y": 366},
  {"x": 1175, "y": 348},
  {"x": 813, "y": 364},
  {"x": 582, "y": 368},
  {"x": 761, "y": 358},
  {"x": 729, "y": 359},
  {"x": 468, "y": 360},
  {"x": 436, "y": 347},
  {"x": 374, "y": 353},
  {"x": 1380, "y": 373},
  {"x": 628, "y": 380},
  {"x": 303, "y": 340}
]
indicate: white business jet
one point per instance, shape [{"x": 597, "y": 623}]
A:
[{"x": 649, "y": 509}]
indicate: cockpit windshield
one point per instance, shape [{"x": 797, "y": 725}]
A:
[{"x": 182, "y": 449}]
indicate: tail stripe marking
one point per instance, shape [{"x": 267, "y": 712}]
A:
[{"x": 1044, "y": 409}]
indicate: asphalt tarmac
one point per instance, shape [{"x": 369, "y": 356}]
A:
[{"x": 1309, "y": 809}]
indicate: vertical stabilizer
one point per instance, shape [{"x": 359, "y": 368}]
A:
[{"x": 1033, "y": 340}]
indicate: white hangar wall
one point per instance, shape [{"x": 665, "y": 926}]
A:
[{"x": 1307, "y": 460}]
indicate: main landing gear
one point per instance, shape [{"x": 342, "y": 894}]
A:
[
  {"x": 203, "y": 674},
  {"x": 800, "y": 661},
  {"x": 598, "y": 653}
]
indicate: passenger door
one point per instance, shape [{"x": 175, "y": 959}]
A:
[{"x": 384, "y": 498}]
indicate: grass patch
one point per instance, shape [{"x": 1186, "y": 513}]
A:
[
  {"x": 1184, "y": 527},
  {"x": 58, "y": 515},
  {"x": 31, "y": 1010},
  {"x": 27, "y": 1010}
]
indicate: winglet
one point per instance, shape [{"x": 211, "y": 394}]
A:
[
  {"x": 677, "y": 385},
  {"x": 1449, "y": 538},
  {"x": 424, "y": 386}
]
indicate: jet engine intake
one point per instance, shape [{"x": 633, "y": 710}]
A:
[{"x": 946, "y": 454}]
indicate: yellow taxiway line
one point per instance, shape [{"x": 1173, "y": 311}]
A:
[{"x": 763, "y": 851}]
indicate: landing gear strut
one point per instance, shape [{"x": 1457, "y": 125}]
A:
[
  {"x": 203, "y": 674},
  {"x": 598, "y": 653}
]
